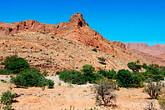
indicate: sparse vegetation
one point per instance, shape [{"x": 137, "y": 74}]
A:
[
  {"x": 95, "y": 50},
  {"x": 104, "y": 92},
  {"x": 7, "y": 99},
  {"x": 45, "y": 73},
  {"x": 134, "y": 67},
  {"x": 153, "y": 89},
  {"x": 3, "y": 81},
  {"x": 102, "y": 59},
  {"x": 52, "y": 37}
]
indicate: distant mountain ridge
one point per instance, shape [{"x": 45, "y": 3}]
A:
[{"x": 155, "y": 50}]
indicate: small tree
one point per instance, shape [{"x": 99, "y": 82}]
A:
[
  {"x": 7, "y": 100},
  {"x": 108, "y": 74},
  {"x": 15, "y": 64},
  {"x": 154, "y": 90},
  {"x": 95, "y": 50},
  {"x": 89, "y": 75},
  {"x": 125, "y": 78},
  {"x": 31, "y": 78},
  {"x": 104, "y": 92},
  {"x": 134, "y": 67},
  {"x": 87, "y": 69},
  {"x": 102, "y": 60}
]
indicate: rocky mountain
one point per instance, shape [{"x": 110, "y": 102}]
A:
[
  {"x": 67, "y": 45},
  {"x": 155, "y": 50}
]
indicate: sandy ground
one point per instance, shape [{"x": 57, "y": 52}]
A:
[{"x": 62, "y": 97}]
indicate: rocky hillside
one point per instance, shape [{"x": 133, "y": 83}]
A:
[
  {"x": 156, "y": 50},
  {"x": 65, "y": 46}
]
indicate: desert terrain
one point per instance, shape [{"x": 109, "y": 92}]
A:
[
  {"x": 64, "y": 96},
  {"x": 65, "y": 46}
]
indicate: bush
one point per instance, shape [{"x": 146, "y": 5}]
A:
[
  {"x": 102, "y": 59},
  {"x": 15, "y": 64},
  {"x": 125, "y": 78},
  {"x": 92, "y": 77},
  {"x": 75, "y": 77},
  {"x": 72, "y": 76},
  {"x": 5, "y": 72},
  {"x": 45, "y": 73},
  {"x": 7, "y": 99},
  {"x": 57, "y": 73},
  {"x": 134, "y": 67},
  {"x": 95, "y": 50},
  {"x": 87, "y": 69},
  {"x": 52, "y": 37},
  {"x": 157, "y": 77},
  {"x": 141, "y": 76},
  {"x": 137, "y": 82},
  {"x": 153, "y": 89},
  {"x": 50, "y": 83},
  {"x": 108, "y": 74},
  {"x": 104, "y": 92},
  {"x": 89, "y": 75},
  {"x": 31, "y": 78}
]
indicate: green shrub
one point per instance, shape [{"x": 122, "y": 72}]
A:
[
  {"x": 108, "y": 74},
  {"x": 50, "y": 84},
  {"x": 52, "y": 37},
  {"x": 125, "y": 78},
  {"x": 5, "y": 72},
  {"x": 75, "y": 77},
  {"x": 141, "y": 76},
  {"x": 45, "y": 73},
  {"x": 72, "y": 76},
  {"x": 134, "y": 67},
  {"x": 157, "y": 78},
  {"x": 102, "y": 59},
  {"x": 15, "y": 64},
  {"x": 87, "y": 69},
  {"x": 92, "y": 77},
  {"x": 89, "y": 75},
  {"x": 57, "y": 73},
  {"x": 30, "y": 78},
  {"x": 95, "y": 50},
  {"x": 137, "y": 82},
  {"x": 7, "y": 100},
  {"x": 3, "y": 81}
]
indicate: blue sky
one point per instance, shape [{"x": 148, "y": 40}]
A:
[{"x": 117, "y": 20}]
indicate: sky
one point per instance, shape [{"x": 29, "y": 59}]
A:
[{"x": 131, "y": 21}]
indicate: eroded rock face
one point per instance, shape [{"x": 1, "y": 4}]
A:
[
  {"x": 29, "y": 25},
  {"x": 76, "y": 29}
]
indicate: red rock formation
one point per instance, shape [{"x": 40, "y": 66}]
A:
[
  {"x": 79, "y": 31},
  {"x": 155, "y": 50}
]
